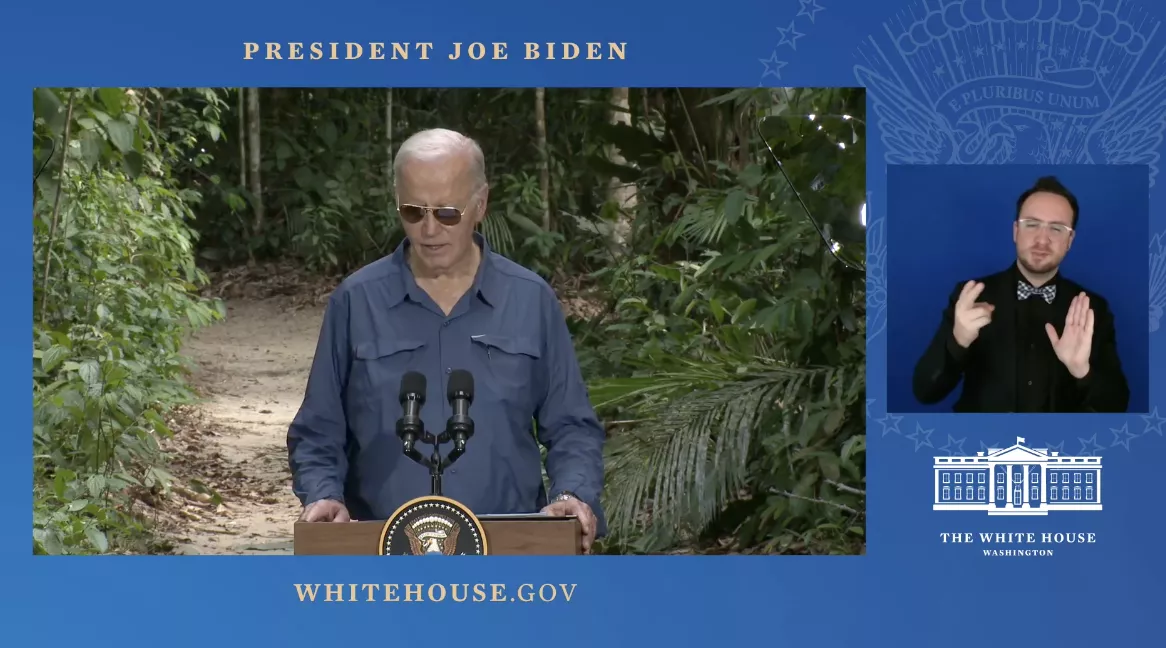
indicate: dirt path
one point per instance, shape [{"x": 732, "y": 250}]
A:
[{"x": 251, "y": 371}]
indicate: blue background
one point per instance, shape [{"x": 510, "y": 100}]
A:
[
  {"x": 910, "y": 590},
  {"x": 954, "y": 223}
]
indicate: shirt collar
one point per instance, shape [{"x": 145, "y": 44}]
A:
[{"x": 486, "y": 282}]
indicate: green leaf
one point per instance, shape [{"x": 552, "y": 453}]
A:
[
  {"x": 734, "y": 206},
  {"x": 97, "y": 538},
  {"x": 121, "y": 135},
  {"x": 214, "y": 131},
  {"x": 744, "y": 309},
  {"x": 828, "y": 463},
  {"x": 53, "y": 357},
  {"x": 92, "y": 145},
  {"x": 131, "y": 163},
  {"x": 113, "y": 99}
]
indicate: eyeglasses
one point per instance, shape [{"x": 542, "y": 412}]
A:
[
  {"x": 1056, "y": 230},
  {"x": 448, "y": 216}
]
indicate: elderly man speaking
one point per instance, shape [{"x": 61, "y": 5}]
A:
[{"x": 439, "y": 303}]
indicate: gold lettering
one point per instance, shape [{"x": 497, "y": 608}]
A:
[
  {"x": 542, "y": 592},
  {"x": 425, "y": 47},
  {"x": 593, "y": 52},
  {"x": 295, "y": 51},
  {"x": 391, "y": 593},
  {"x": 464, "y": 595},
  {"x": 376, "y": 51},
  {"x": 570, "y": 51},
  {"x": 477, "y": 51},
  {"x": 568, "y": 593},
  {"x": 532, "y": 51},
  {"x": 457, "y": 52},
  {"x": 370, "y": 589},
  {"x": 499, "y": 591},
  {"x": 526, "y": 592},
  {"x": 335, "y": 51},
  {"x": 333, "y": 592},
  {"x": 273, "y": 51},
  {"x": 317, "y": 50},
  {"x": 306, "y": 591},
  {"x": 413, "y": 592},
  {"x": 479, "y": 592},
  {"x": 440, "y": 589},
  {"x": 400, "y": 50},
  {"x": 499, "y": 51},
  {"x": 617, "y": 51},
  {"x": 348, "y": 51},
  {"x": 249, "y": 50}
]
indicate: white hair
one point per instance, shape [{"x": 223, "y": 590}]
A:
[{"x": 436, "y": 142}]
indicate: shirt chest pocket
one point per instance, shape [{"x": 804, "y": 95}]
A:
[
  {"x": 512, "y": 363},
  {"x": 380, "y": 364}
]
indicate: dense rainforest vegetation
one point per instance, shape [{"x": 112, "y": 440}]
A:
[{"x": 722, "y": 340}]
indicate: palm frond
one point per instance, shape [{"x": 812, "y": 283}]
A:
[{"x": 675, "y": 473}]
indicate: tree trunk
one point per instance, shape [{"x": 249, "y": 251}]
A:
[
  {"x": 242, "y": 138},
  {"x": 623, "y": 195},
  {"x": 254, "y": 158},
  {"x": 389, "y": 136},
  {"x": 544, "y": 156}
]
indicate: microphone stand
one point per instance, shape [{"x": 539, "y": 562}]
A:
[{"x": 435, "y": 462}]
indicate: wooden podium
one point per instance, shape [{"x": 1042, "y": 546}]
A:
[{"x": 506, "y": 535}]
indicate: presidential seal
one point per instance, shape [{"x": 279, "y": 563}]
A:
[{"x": 432, "y": 526}]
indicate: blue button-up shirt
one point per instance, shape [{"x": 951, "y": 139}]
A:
[{"x": 508, "y": 331}]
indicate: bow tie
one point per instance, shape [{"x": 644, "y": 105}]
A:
[{"x": 1024, "y": 291}]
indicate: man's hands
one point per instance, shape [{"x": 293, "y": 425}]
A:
[
  {"x": 970, "y": 316},
  {"x": 1075, "y": 343},
  {"x": 578, "y": 508},
  {"x": 325, "y": 511}
]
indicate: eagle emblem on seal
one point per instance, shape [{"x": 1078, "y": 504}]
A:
[{"x": 433, "y": 534}]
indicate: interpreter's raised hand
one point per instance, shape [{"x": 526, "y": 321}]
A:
[
  {"x": 580, "y": 509},
  {"x": 1075, "y": 342},
  {"x": 970, "y": 315},
  {"x": 325, "y": 511}
]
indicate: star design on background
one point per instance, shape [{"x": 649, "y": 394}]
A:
[
  {"x": 985, "y": 447},
  {"x": 1090, "y": 447},
  {"x": 979, "y": 51},
  {"x": 921, "y": 437},
  {"x": 789, "y": 36},
  {"x": 1060, "y": 447},
  {"x": 1022, "y": 45},
  {"x": 1103, "y": 71},
  {"x": 1154, "y": 422},
  {"x": 999, "y": 46},
  {"x": 890, "y": 424},
  {"x": 1123, "y": 436},
  {"x": 772, "y": 66},
  {"x": 1064, "y": 51},
  {"x": 1042, "y": 46},
  {"x": 1083, "y": 61},
  {"x": 952, "y": 445},
  {"x": 810, "y": 8}
]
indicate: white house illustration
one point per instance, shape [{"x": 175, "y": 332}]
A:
[{"x": 1018, "y": 481}]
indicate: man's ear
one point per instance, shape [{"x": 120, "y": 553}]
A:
[{"x": 483, "y": 202}]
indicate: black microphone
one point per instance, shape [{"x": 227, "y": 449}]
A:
[
  {"x": 410, "y": 427},
  {"x": 460, "y": 426}
]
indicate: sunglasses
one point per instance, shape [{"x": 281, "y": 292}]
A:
[{"x": 414, "y": 214}]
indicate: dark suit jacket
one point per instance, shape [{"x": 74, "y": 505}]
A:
[{"x": 988, "y": 365}]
